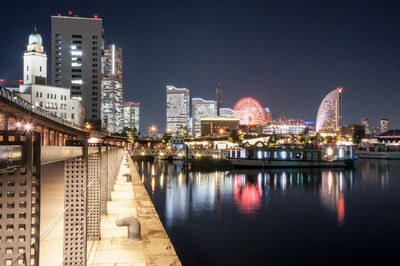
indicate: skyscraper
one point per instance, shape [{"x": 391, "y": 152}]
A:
[
  {"x": 219, "y": 98},
  {"x": 177, "y": 109},
  {"x": 329, "y": 117},
  {"x": 384, "y": 125},
  {"x": 111, "y": 84},
  {"x": 131, "y": 114},
  {"x": 76, "y": 60},
  {"x": 268, "y": 115},
  {"x": 366, "y": 125},
  {"x": 202, "y": 109}
]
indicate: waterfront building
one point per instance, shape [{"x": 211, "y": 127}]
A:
[
  {"x": 268, "y": 115},
  {"x": 76, "y": 61},
  {"x": 366, "y": 125},
  {"x": 225, "y": 112},
  {"x": 329, "y": 116},
  {"x": 219, "y": 98},
  {"x": 111, "y": 85},
  {"x": 283, "y": 126},
  {"x": 56, "y": 100},
  {"x": 218, "y": 126},
  {"x": 177, "y": 110},
  {"x": 202, "y": 109},
  {"x": 131, "y": 112},
  {"x": 384, "y": 125}
]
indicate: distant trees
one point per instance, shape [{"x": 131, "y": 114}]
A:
[
  {"x": 166, "y": 139},
  {"x": 235, "y": 137},
  {"x": 133, "y": 135},
  {"x": 358, "y": 133}
]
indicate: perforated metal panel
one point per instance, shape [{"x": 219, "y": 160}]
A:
[
  {"x": 93, "y": 196},
  {"x": 76, "y": 210},
  {"x": 103, "y": 181},
  {"x": 19, "y": 207}
]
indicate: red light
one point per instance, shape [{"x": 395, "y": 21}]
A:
[
  {"x": 70, "y": 13},
  {"x": 96, "y": 16},
  {"x": 59, "y": 14},
  {"x": 1, "y": 80},
  {"x": 340, "y": 89},
  {"x": 20, "y": 80}
]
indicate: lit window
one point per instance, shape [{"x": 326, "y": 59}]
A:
[
  {"x": 73, "y": 47},
  {"x": 77, "y": 53},
  {"x": 76, "y": 81},
  {"x": 74, "y": 64}
]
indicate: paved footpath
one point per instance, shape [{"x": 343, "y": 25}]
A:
[{"x": 131, "y": 198}]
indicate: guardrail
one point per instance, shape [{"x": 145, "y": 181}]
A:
[{"x": 14, "y": 98}]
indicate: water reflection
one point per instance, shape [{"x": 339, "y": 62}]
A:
[{"x": 248, "y": 190}]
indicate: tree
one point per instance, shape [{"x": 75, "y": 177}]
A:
[
  {"x": 166, "y": 138},
  {"x": 273, "y": 139},
  {"x": 235, "y": 137},
  {"x": 319, "y": 138},
  {"x": 133, "y": 135},
  {"x": 358, "y": 133},
  {"x": 182, "y": 131}
]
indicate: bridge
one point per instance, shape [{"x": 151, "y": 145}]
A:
[{"x": 30, "y": 138}]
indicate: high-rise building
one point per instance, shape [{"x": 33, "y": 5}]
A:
[
  {"x": 225, "y": 112},
  {"x": 76, "y": 60},
  {"x": 329, "y": 117},
  {"x": 177, "y": 110},
  {"x": 131, "y": 114},
  {"x": 384, "y": 125},
  {"x": 366, "y": 125},
  {"x": 202, "y": 109},
  {"x": 268, "y": 115},
  {"x": 219, "y": 98},
  {"x": 111, "y": 85}
]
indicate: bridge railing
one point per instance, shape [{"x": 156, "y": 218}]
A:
[{"x": 14, "y": 98}]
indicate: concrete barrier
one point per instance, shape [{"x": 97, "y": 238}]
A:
[{"x": 51, "y": 154}]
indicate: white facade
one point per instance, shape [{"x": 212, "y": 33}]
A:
[
  {"x": 329, "y": 117},
  {"x": 131, "y": 113},
  {"x": 56, "y": 100},
  {"x": 177, "y": 109},
  {"x": 35, "y": 61},
  {"x": 225, "y": 112},
  {"x": 202, "y": 109}
]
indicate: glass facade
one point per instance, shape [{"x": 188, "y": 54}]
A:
[
  {"x": 329, "y": 117},
  {"x": 131, "y": 115},
  {"x": 202, "y": 109},
  {"x": 177, "y": 109}
]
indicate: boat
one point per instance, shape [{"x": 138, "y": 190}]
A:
[
  {"x": 335, "y": 156},
  {"x": 378, "y": 151}
]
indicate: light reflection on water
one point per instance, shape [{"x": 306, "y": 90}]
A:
[{"x": 219, "y": 199}]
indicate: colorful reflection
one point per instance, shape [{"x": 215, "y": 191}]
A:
[{"x": 247, "y": 195}]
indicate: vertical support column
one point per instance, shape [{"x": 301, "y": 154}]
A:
[
  {"x": 75, "y": 229},
  {"x": 19, "y": 208},
  {"x": 93, "y": 195},
  {"x": 110, "y": 171},
  {"x": 104, "y": 180}
]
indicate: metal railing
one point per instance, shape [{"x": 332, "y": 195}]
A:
[{"x": 14, "y": 98}]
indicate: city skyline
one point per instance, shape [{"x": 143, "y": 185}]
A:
[{"x": 247, "y": 52}]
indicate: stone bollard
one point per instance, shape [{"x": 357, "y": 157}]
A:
[{"x": 133, "y": 226}]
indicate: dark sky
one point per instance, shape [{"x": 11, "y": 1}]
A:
[{"x": 286, "y": 54}]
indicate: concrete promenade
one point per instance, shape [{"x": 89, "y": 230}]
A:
[{"x": 128, "y": 198}]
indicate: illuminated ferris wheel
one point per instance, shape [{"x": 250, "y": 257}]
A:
[{"x": 249, "y": 111}]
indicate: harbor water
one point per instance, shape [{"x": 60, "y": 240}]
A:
[{"x": 279, "y": 216}]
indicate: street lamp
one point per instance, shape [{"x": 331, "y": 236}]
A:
[{"x": 153, "y": 130}]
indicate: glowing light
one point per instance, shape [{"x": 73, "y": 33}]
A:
[
  {"x": 76, "y": 81},
  {"x": 77, "y": 53},
  {"x": 153, "y": 184},
  {"x": 93, "y": 140},
  {"x": 18, "y": 124},
  {"x": 28, "y": 127},
  {"x": 249, "y": 111},
  {"x": 221, "y": 131},
  {"x": 329, "y": 151},
  {"x": 70, "y": 13},
  {"x": 96, "y": 16},
  {"x": 88, "y": 125}
]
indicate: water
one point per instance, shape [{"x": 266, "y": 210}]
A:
[{"x": 281, "y": 216}]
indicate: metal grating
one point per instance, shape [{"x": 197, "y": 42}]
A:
[
  {"x": 104, "y": 185},
  {"x": 76, "y": 210}
]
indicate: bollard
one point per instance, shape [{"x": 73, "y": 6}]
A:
[{"x": 133, "y": 226}]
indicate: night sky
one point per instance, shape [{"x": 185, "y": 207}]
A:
[{"x": 286, "y": 54}]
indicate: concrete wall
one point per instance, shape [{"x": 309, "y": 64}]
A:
[{"x": 51, "y": 154}]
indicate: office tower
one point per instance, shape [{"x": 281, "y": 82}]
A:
[
  {"x": 177, "y": 110},
  {"x": 202, "y": 109},
  {"x": 268, "y": 115},
  {"x": 131, "y": 114},
  {"x": 219, "y": 98},
  {"x": 384, "y": 125},
  {"x": 225, "y": 112},
  {"x": 366, "y": 125},
  {"x": 35, "y": 61},
  {"x": 111, "y": 95},
  {"x": 329, "y": 117},
  {"x": 76, "y": 60}
]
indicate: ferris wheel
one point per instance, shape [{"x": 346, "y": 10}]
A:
[{"x": 249, "y": 111}]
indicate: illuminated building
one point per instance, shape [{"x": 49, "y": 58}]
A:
[
  {"x": 225, "y": 112},
  {"x": 384, "y": 125},
  {"x": 202, "y": 109},
  {"x": 56, "y": 100},
  {"x": 329, "y": 117},
  {"x": 131, "y": 112},
  {"x": 366, "y": 125},
  {"x": 111, "y": 85},
  {"x": 218, "y": 126},
  {"x": 76, "y": 60},
  {"x": 268, "y": 115},
  {"x": 249, "y": 111},
  {"x": 284, "y": 126},
  {"x": 219, "y": 98},
  {"x": 177, "y": 109}
]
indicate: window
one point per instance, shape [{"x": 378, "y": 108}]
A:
[
  {"x": 40, "y": 104},
  {"x": 58, "y": 58},
  {"x": 58, "y": 41},
  {"x": 75, "y": 87},
  {"x": 58, "y": 53},
  {"x": 58, "y": 69},
  {"x": 94, "y": 87},
  {"x": 94, "y": 60},
  {"x": 47, "y": 95},
  {"x": 58, "y": 35},
  {"x": 76, "y": 42},
  {"x": 94, "y": 71},
  {"x": 72, "y": 116},
  {"x": 94, "y": 42},
  {"x": 94, "y": 65},
  {"x": 27, "y": 77},
  {"x": 55, "y": 96},
  {"x": 40, "y": 94},
  {"x": 40, "y": 68},
  {"x": 94, "y": 48},
  {"x": 76, "y": 70},
  {"x": 37, "y": 94},
  {"x": 94, "y": 116},
  {"x": 27, "y": 68},
  {"x": 94, "y": 93},
  {"x": 94, "y": 36},
  {"x": 94, "y": 76},
  {"x": 94, "y": 99},
  {"x": 58, "y": 64},
  {"x": 76, "y": 93},
  {"x": 94, "y": 54},
  {"x": 58, "y": 75},
  {"x": 77, "y": 36},
  {"x": 58, "y": 81},
  {"x": 94, "y": 82},
  {"x": 58, "y": 47},
  {"x": 76, "y": 76}
]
